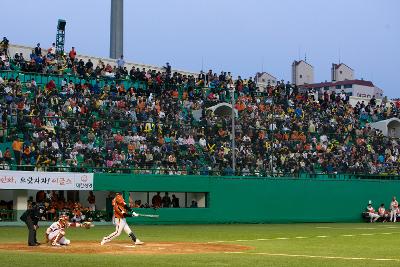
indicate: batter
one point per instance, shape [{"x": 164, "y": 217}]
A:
[{"x": 120, "y": 214}]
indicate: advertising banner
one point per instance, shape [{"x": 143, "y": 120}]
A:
[{"x": 46, "y": 180}]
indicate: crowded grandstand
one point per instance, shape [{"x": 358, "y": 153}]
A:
[{"x": 61, "y": 113}]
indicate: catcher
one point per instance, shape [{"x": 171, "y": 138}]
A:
[
  {"x": 56, "y": 232},
  {"x": 120, "y": 213}
]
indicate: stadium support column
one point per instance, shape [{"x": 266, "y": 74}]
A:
[
  {"x": 20, "y": 202},
  {"x": 117, "y": 28}
]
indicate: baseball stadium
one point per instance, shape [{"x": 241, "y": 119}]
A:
[{"x": 107, "y": 161}]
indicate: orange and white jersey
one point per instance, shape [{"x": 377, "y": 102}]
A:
[
  {"x": 119, "y": 207},
  {"x": 119, "y": 211},
  {"x": 370, "y": 209},
  {"x": 394, "y": 205},
  {"x": 381, "y": 211}
]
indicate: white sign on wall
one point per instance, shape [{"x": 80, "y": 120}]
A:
[{"x": 46, "y": 180}]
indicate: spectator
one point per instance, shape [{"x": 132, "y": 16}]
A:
[
  {"x": 72, "y": 54},
  {"x": 38, "y": 50},
  {"x": 121, "y": 62},
  {"x": 4, "y": 45},
  {"x": 175, "y": 201},
  {"x": 193, "y": 204},
  {"x": 7, "y": 156},
  {"x": 92, "y": 201},
  {"x": 52, "y": 49},
  {"x": 2, "y": 133},
  {"x": 17, "y": 149},
  {"x": 166, "y": 201},
  {"x": 157, "y": 201}
]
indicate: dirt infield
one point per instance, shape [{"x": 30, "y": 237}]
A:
[{"x": 90, "y": 247}]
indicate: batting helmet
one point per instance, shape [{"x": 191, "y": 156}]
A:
[{"x": 119, "y": 200}]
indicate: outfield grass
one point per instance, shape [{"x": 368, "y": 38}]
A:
[{"x": 285, "y": 245}]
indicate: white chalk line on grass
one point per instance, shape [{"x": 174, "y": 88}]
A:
[
  {"x": 299, "y": 237},
  {"x": 376, "y": 227},
  {"x": 348, "y": 228},
  {"x": 315, "y": 256}
]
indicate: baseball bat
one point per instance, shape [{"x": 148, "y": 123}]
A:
[{"x": 149, "y": 215}]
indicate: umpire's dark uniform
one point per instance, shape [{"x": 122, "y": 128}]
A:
[{"x": 31, "y": 218}]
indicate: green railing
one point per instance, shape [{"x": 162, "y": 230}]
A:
[
  {"x": 8, "y": 215},
  {"x": 42, "y": 79},
  {"x": 202, "y": 172}
]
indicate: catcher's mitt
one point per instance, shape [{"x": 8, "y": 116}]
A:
[{"x": 86, "y": 225}]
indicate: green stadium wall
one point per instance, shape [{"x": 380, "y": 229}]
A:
[{"x": 254, "y": 200}]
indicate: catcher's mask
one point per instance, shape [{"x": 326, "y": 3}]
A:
[{"x": 63, "y": 219}]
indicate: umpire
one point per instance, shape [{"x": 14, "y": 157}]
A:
[{"x": 31, "y": 218}]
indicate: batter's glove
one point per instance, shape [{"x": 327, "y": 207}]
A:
[{"x": 86, "y": 225}]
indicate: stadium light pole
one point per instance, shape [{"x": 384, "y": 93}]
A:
[
  {"x": 117, "y": 29},
  {"x": 233, "y": 129}
]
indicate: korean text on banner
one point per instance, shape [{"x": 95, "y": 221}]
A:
[{"x": 46, "y": 180}]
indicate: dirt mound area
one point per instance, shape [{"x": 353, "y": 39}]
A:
[{"x": 119, "y": 247}]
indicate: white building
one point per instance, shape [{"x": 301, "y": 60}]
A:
[
  {"x": 341, "y": 72},
  {"x": 263, "y": 79},
  {"x": 302, "y": 73},
  {"x": 358, "y": 88},
  {"x": 390, "y": 127}
]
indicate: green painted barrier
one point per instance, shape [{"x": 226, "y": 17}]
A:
[
  {"x": 253, "y": 200},
  {"x": 43, "y": 79}
]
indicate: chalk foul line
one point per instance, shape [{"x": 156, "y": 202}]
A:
[
  {"x": 315, "y": 256},
  {"x": 300, "y": 237}
]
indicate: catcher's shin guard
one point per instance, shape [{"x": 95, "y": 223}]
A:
[
  {"x": 56, "y": 240},
  {"x": 132, "y": 235}
]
